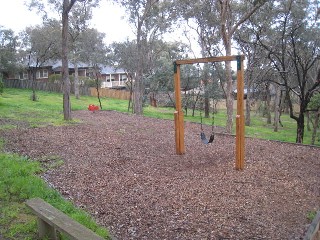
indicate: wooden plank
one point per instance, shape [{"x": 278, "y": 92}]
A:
[
  {"x": 313, "y": 232},
  {"x": 208, "y": 59},
  {"x": 60, "y": 221}
]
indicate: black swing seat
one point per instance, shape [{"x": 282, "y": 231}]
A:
[{"x": 205, "y": 140}]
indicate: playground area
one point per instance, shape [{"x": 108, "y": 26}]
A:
[{"x": 123, "y": 169}]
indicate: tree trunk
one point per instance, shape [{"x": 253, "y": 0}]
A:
[
  {"x": 138, "y": 94},
  {"x": 76, "y": 82},
  {"x": 130, "y": 85},
  {"x": 248, "y": 106},
  {"x": 195, "y": 103},
  {"x": 308, "y": 121},
  {"x": 34, "y": 73},
  {"x": 277, "y": 109},
  {"x": 315, "y": 126},
  {"x": 65, "y": 65},
  {"x": 96, "y": 73},
  {"x": 138, "y": 84},
  {"x": 229, "y": 95},
  {"x": 300, "y": 128},
  {"x": 206, "y": 107},
  {"x": 268, "y": 105}
]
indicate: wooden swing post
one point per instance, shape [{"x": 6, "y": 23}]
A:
[
  {"x": 240, "y": 116},
  {"x": 178, "y": 114}
]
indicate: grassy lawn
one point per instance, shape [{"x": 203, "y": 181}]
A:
[
  {"x": 15, "y": 104},
  {"x": 19, "y": 176},
  {"x": 19, "y": 181}
]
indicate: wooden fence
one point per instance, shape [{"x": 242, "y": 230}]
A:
[
  {"x": 42, "y": 86},
  {"x": 111, "y": 93}
]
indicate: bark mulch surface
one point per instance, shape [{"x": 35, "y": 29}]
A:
[{"x": 123, "y": 170}]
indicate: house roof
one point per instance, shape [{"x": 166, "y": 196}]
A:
[
  {"x": 110, "y": 69},
  {"x": 105, "y": 69}
]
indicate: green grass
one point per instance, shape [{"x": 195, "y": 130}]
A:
[
  {"x": 15, "y": 104},
  {"x": 19, "y": 181}
]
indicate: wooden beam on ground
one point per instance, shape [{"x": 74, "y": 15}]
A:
[
  {"x": 51, "y": 220},
  {"x": 313, "y": 232}
]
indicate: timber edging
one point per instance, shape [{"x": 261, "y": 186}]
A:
[
  {"x": 313, "y": 232},
  {"x": 52, "y": 220}
]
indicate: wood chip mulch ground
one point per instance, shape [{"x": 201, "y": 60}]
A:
[{"x": 123, "y": 169}]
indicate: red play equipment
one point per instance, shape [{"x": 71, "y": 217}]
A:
[{"x": 93, "y": 108}]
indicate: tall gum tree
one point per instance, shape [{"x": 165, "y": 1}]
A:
[
  {"x": 229, "y": 23},
  {"x": 150, "y": 19},
  {"x": 224, "y": 19},
  {"x": 41, "y": 44},
  {"x": 64, "y": 9},
  {"x": 8, "y": 49},
  {"x": 80, "y": 16}
]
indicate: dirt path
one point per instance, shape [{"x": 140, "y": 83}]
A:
[{"x": 123, "y": 170}]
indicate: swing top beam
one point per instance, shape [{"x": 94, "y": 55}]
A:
[{"x": 210, "y": 59}]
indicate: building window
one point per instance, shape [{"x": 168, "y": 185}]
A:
[
  {"x": 124, "y": 77},
  {"x": 22, "y": 75},
  {"x": 43, "y": 73},
  {"x": 108, "y": 78},
  {"x": 25, "y": 75}
]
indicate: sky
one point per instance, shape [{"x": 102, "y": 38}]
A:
[{"x": 107, "y": 18}]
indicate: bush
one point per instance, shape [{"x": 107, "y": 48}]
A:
[
  {"x": 84, "y": 81},
  {"x": 55, "y": 78},
  {"x": 1, "y": 86}
]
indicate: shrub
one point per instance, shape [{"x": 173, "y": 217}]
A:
[{"x": 1, "y": 85}]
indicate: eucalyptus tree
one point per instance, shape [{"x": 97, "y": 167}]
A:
[
  {"x": 218, "y": 21},
  {"x": 292, "y": 45},
  {"x": 94, "y": 52},
  {"x": 80, "y": 16},
  {"x": 258, "y": 67},
  {"x": 150, "y": 19},
  {"x": 157, "y": 71},
  {"x": 41, "y": 44},
  {"x": 63, "y": 7},
  {"x": 158, "y": 77},
  {"x": 8, "y": 48}
]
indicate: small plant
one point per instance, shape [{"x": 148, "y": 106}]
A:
[{"x": 311, "y": 215}]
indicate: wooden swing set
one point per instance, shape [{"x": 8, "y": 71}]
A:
[{"x": 179, "y": 117}]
